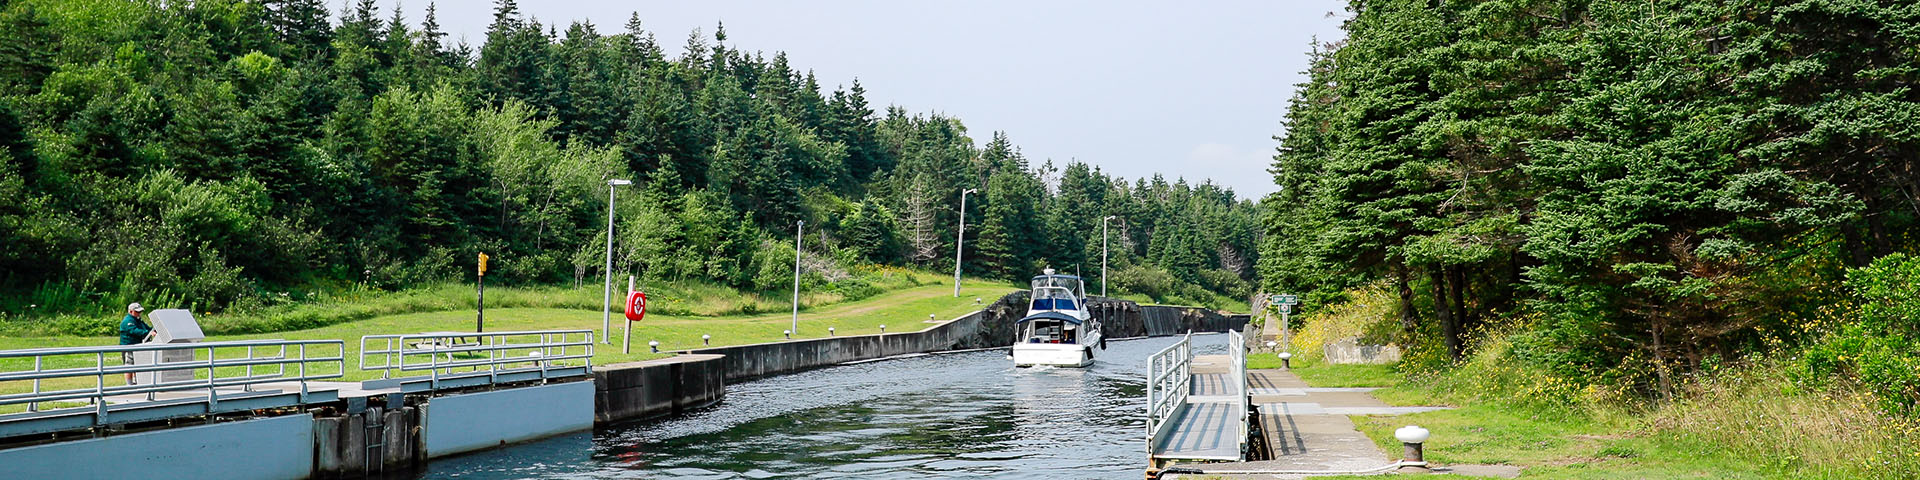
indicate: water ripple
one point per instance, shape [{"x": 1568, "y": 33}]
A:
[{"x": 959, "y": 415}]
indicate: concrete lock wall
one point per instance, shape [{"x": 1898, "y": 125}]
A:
[
  {"x": 466, "y": 422},
  {"x": 990, "y": 327},
  {"x": 268, "y": 448},
  {"x": 1124, "y": 319},
  {"x": 629, "y": 391},
  {"x": 697, "y": 378}
]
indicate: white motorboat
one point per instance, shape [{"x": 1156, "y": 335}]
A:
[{"x": 1057, "y": 330}]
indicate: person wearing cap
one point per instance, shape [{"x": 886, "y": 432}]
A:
[{"x": 132, "y": 331}]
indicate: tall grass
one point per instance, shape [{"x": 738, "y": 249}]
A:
[
  {"x": 1369, "y": 308},
  {"x": 1758, "y": 418},
  {"x": 1763, "y": 412}
]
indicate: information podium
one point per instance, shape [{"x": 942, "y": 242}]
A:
[{"x": 169, "y": 326}]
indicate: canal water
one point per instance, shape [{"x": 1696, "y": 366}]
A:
[{"x": 955, "y": 415}]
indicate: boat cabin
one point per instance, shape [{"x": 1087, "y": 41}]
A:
[
  {"x": 1050, "y": 327},
  {"x": 1057, "y": 311},
  {"x": 1058, "y": 292}
]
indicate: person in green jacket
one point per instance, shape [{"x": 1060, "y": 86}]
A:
[{"x": 132, "y": 331}]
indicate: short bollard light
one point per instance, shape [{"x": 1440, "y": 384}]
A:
[
  {"x": 829, "y": 331},
  {"x": 883, "y": 328},
  {"x": 977, "y": 300},
  {"x": 1286, "y": 360},
  {"x": 1412, "y": 436},
  {"x": 1271, "y": 344},
  {"x": 930, "y": 317},
  {"x": 706, "y": 340},
  {"x": 655, "y": 344},
  {"x": 787, "y": 333}
]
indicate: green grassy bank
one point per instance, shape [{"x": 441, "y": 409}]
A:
[{"x": 904, "y": 309}]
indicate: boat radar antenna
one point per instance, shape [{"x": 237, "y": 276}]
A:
[{"x": 1048, "y": 271}]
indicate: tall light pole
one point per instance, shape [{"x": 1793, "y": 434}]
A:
[
  {"x": 606, "y": 297},
  {"x": 1103, "y": 254},
  {"x": 960, "y": 240},
  {"x": 797, "y": 228}
]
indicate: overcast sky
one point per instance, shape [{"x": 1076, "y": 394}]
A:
[{"x": 1186, "y": 89}]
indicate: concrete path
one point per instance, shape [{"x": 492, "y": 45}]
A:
[{"x": 1308, "y": 429}]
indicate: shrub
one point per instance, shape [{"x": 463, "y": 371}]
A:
[{"x": 1877, "y": 350}]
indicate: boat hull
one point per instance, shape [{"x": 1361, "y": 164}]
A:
[{"x": 1053, "y": 354}]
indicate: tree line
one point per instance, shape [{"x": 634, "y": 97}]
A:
[
  {"x": 1635, "y": 191},
  {"x": 217, "y": 153}
]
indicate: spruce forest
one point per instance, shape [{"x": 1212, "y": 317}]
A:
[
  {"x": 1630, "y": 197},
  {"x": 212, "y": 153}
]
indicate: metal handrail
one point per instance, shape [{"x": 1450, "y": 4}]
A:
[
  {"x": 1169, "y": 375},
  {"x": 277, "y": 355},
  {"x": 423, "y": 351},
  {"x": 1237, "y": 351}
]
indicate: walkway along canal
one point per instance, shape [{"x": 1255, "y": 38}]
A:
[{"x": 952, "y": 415}]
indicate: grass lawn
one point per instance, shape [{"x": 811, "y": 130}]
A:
[
  {"x": 1549, "y": 443},
  {"x": 902, "y": 310},
  {"x": 1552, "y": 445},
  {"x": 1321, "y": 374}
]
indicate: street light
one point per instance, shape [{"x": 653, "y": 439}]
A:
[
  {"x": 959, "y": 240},
  {"x": 797, "y": 227},
  {"x": 606, "y": 297},
  {"x": 1103, "y": 254}
]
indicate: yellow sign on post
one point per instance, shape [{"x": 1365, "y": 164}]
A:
[{"x": 480, "y": 296}]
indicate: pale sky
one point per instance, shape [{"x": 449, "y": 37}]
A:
[{"x": 1185, "y": 89}]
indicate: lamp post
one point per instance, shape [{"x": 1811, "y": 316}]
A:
[
  {"x": 797, "y": 228},
  {"x": 606, "y": 297},
  {"x": 1103, "y": 254},
  {"x": 959, "y": 240}
]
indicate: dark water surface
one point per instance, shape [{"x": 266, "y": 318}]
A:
[{"x": 959, "y": 415}]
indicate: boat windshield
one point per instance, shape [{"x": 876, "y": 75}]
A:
[{"x": 1054, "y": 298}]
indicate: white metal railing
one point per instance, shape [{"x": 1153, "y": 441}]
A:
[
  {"x": 440, "y": 353},
  {"x": 1169, "y": 379},
  {"x": 1237, "y": 352},
  {"x": 214, "y": 365}
]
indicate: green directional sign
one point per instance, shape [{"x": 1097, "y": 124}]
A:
[
  {"x": 1285, "y": 300},
  {"x": 1286, "y": 309}
]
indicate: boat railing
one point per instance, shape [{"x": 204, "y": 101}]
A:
[{"x": 1169, "y": 374}]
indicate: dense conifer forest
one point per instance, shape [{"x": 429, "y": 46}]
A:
[
  {"x": 1625, "y": 195},
  {"x": 212, "y": 153}
]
